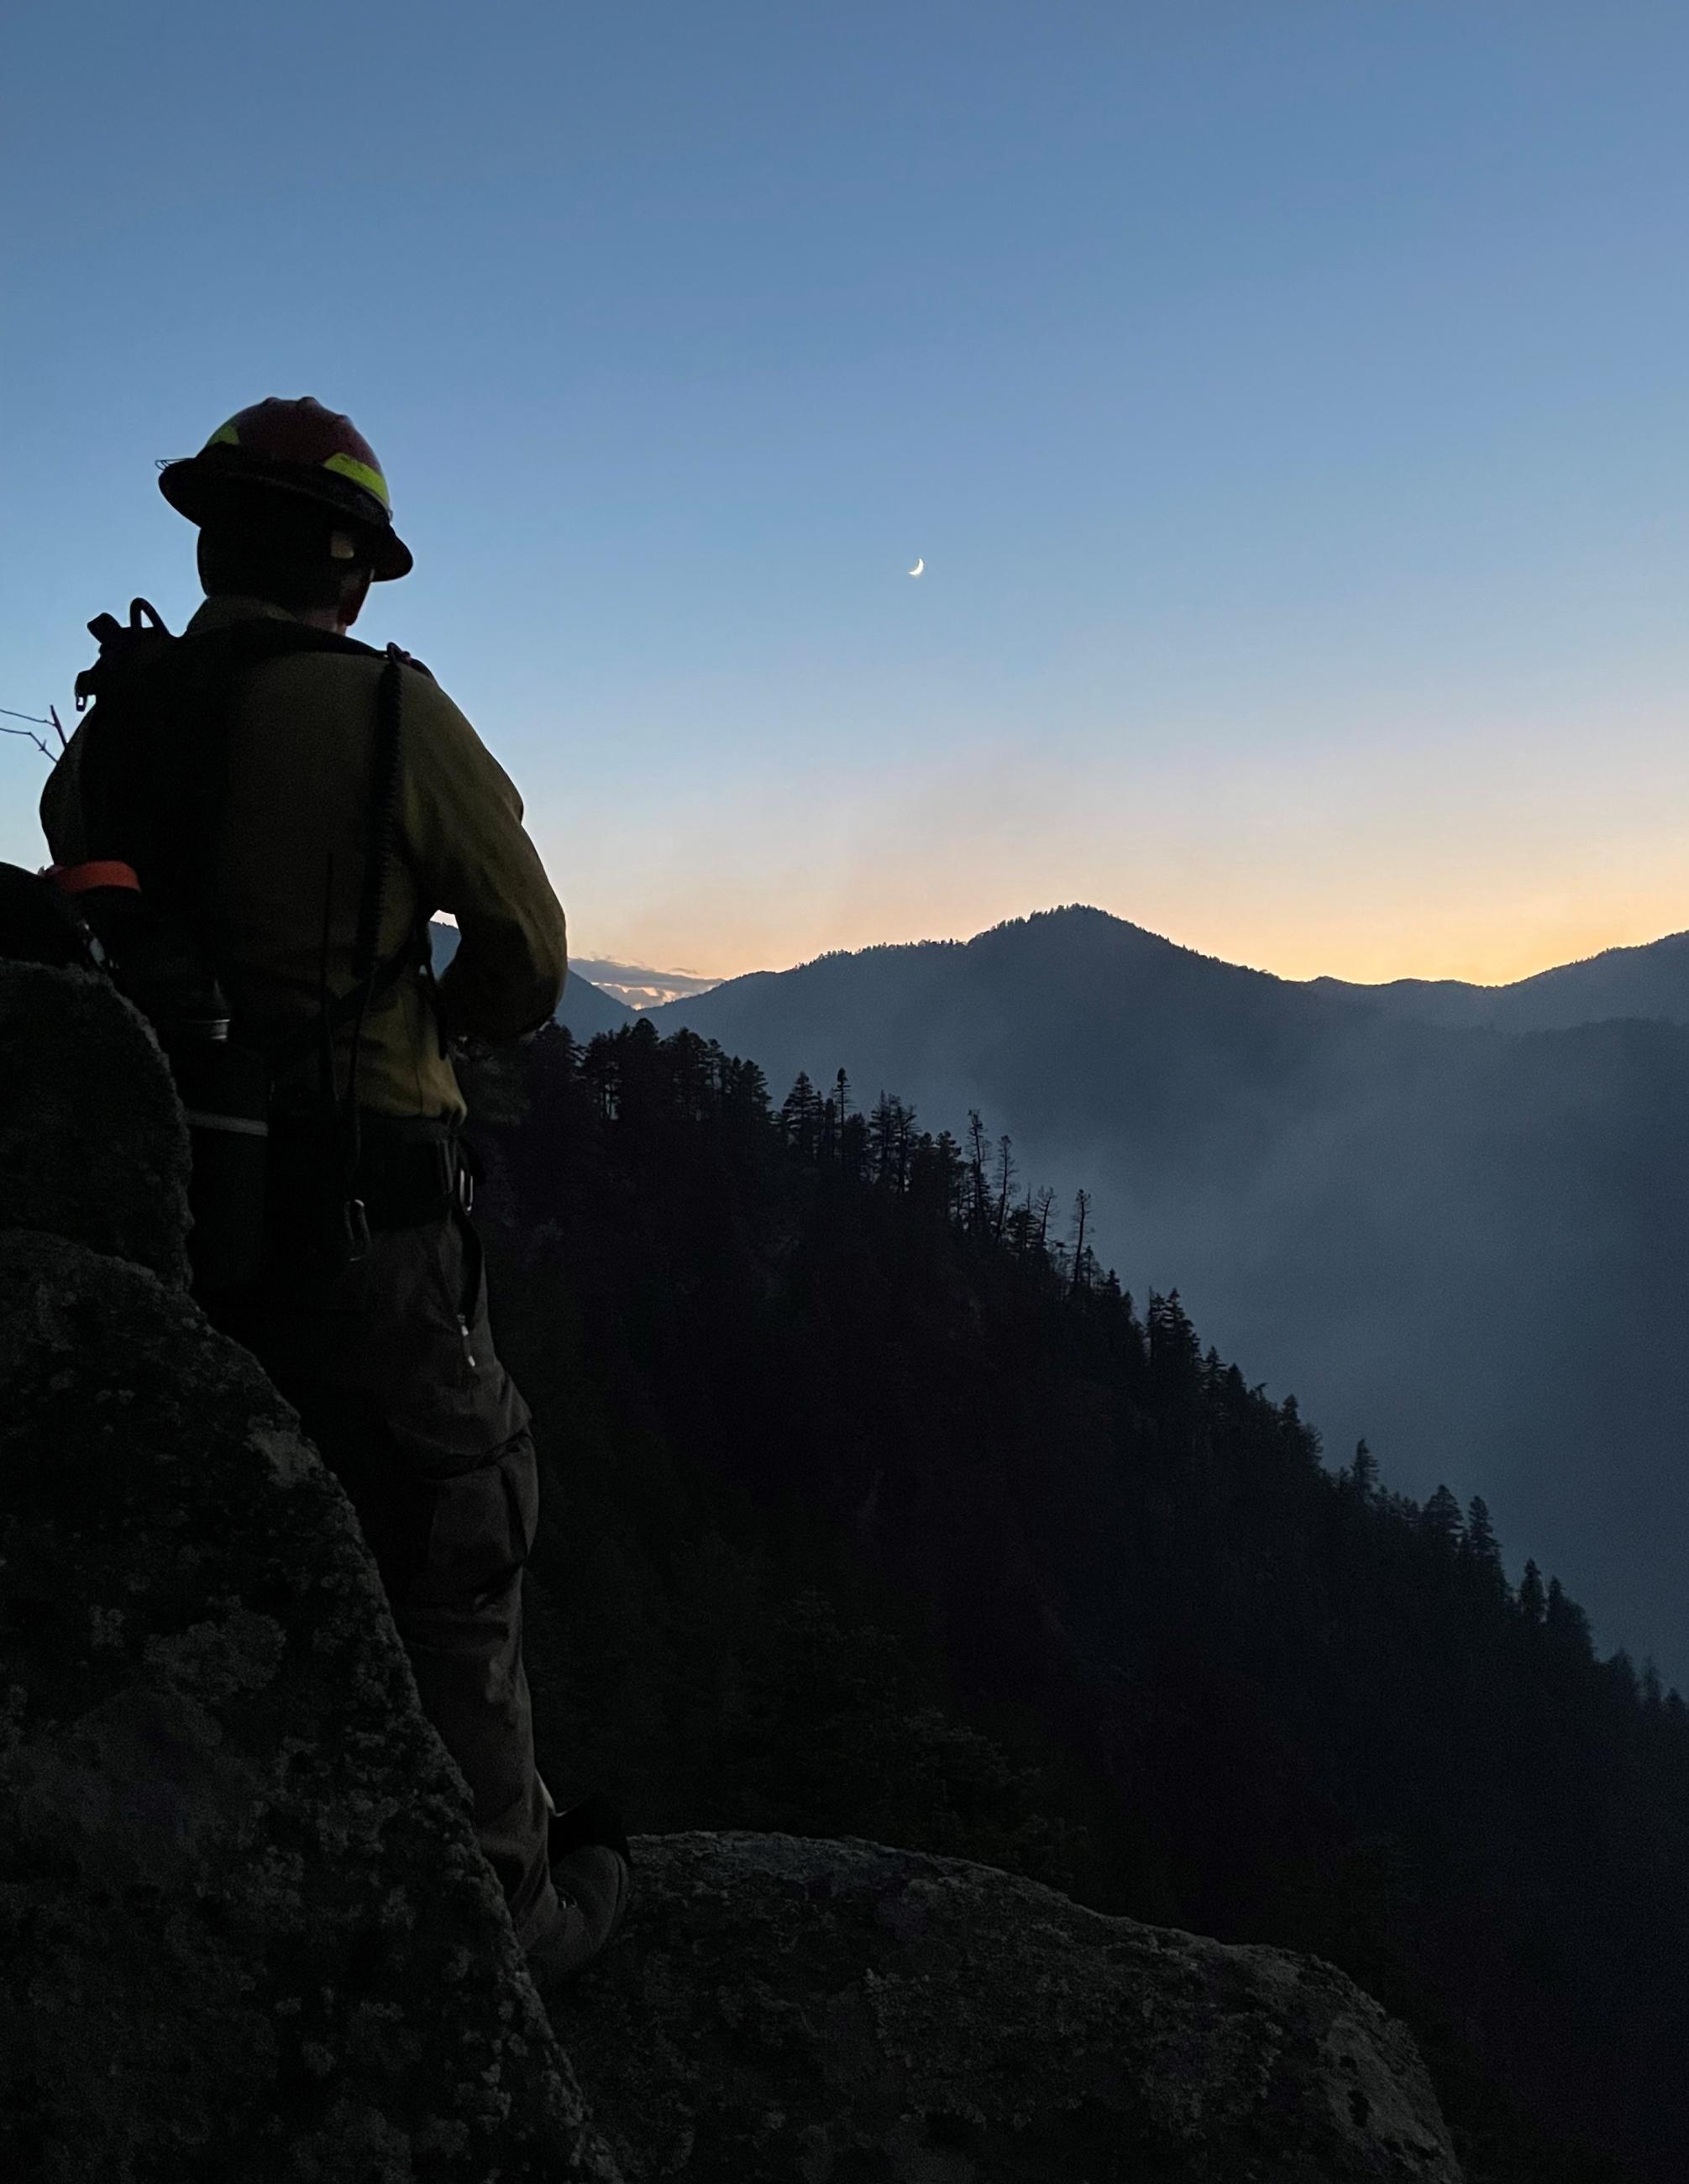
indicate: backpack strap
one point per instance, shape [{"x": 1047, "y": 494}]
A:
[
  {"x": 145, "y": 634},
  {"x": 155, "y": 761},
  {"x": 155, "y": 772},
  {"x": 372, "y": 979}
]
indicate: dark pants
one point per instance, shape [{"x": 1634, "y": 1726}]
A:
[{"x": 390, "y": 1367}]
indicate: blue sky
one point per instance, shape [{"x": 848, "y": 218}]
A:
[{"x": 1288, "y": 400}]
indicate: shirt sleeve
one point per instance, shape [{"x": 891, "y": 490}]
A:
[{"x": 471, "y": 856}]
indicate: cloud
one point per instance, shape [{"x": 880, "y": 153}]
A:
[{"x": 639, "y": 988}]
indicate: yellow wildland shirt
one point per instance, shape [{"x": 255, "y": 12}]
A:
[{"x": 288, "y": 864}]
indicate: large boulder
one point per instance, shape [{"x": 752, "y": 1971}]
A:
[
  {"x": 92, "y": 1144},
  {"x": 245, "y": 1927},
  {"x": 784, "y": 2011}
]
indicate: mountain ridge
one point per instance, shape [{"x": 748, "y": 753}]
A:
[
  {"x": 1647, "y": 980},
  {"x": 1340, "y": 1190},
  {"x": 1395, "y": 995}
]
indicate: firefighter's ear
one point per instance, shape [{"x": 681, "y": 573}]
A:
[{"x": 353, "y": 591}]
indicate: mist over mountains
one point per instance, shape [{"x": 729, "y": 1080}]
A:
[
  {"x": 1465, "y": 1239},
  {"x": 638, "y": 984}
]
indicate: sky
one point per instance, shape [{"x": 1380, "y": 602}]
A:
[{"x": 1288, "y": 403}]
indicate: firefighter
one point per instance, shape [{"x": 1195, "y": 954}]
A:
[{"x": 244, "y": 774}]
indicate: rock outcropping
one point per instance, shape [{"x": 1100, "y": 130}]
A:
[
  {"x": 244, "y": 1925},
  {"x": 812, "y": 2012}
]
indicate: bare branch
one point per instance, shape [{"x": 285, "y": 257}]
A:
[
  {"x": 36, "y": 720},
  {"x": 28, "y": 738}
]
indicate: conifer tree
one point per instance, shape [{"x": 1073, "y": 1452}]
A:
[
  {"x": 1480, "y": 1537},
  {"x": 1441, "y": 1518},
  {"x": 1297, "y": 1440},
  {"x": 842, "y": 1117},
  {"x": 1175, "y": 1354},
  {"x": 891, "y": 1131},
  {"x": 976, "y": 1212},
  {"x": 798, "y": 1115},
  {"x": 905, "y": 1141},
  {"x": 1006, "y": 1177},
  {"x": 1532, "y": 1603},
  {"x": 880, "y": 1139},
  {"x": 937, "y": 1174},
  {"x": 1081, "y": 1215},
  {"x": 744, "y": 1089},
  {"x": 1567, "y": 1621},
  {"x": 1480, "y": 1551},
  {"x": 1621, "y": 1673}
]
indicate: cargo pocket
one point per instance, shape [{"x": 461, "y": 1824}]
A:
[
  {"x": 483, "y": 1527},
  {"x": 467, "y": 1300},
  {"x": 448, "y": 1397}
]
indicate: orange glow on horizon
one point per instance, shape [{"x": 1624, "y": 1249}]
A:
[
  {"x": 1442, "y": 948},
  {"x": 1484, "y": 859}
]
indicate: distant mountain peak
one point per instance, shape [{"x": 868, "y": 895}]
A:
[{"x": 1073, "y": 918}]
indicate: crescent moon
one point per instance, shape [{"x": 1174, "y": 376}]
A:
[{"x": 918, "y": 567}]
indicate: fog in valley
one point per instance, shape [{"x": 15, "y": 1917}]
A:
[{"x": 1468, "y": 1245}]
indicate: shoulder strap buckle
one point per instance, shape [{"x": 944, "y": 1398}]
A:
[{"x": 120, "y": 644}]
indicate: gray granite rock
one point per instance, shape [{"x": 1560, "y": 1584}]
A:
[
  {"x": 782, "y": 2011},
  {"x": 245, "y": 1929},
  {"x": 92, "y": 1144}
]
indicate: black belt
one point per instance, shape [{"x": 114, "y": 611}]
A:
[{"x": 411, "y": 1168}]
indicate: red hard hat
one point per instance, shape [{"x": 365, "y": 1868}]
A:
[{"x": 297, "y": 448}]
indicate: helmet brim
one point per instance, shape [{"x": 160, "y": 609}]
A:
[{"x": 201, "y": 490}]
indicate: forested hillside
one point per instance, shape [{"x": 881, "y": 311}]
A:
[
  {"x": 873, "y": 1506},
  {"x": 1470, "y": 1247}
]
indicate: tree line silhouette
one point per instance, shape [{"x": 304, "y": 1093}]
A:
[{"x": 874, "y": 1507}]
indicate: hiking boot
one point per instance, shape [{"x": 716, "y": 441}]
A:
[
  {"x": 592, "y": 1871},
  {"x": 594, "y": 1884}
]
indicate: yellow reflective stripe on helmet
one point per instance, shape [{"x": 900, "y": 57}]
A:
[
  {"x": 226, "y": 435},
  {"x": 360, "y": 474}
]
